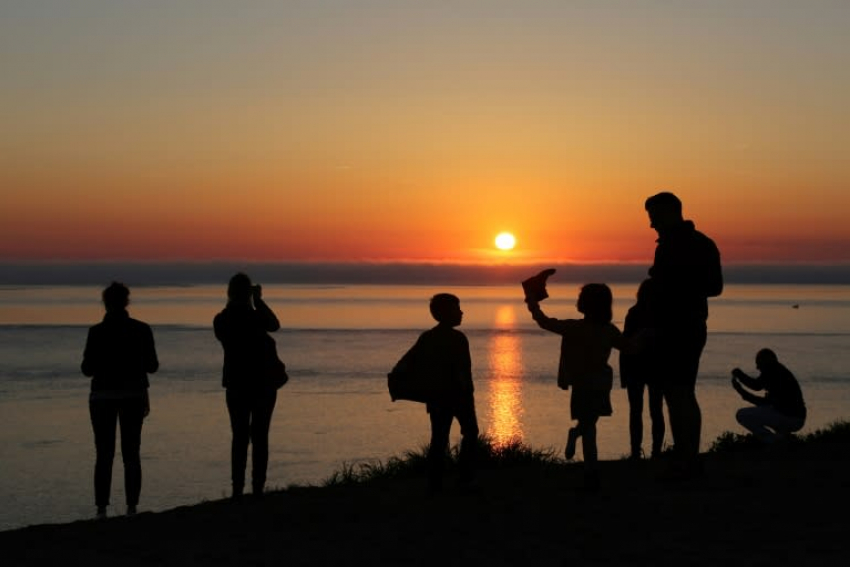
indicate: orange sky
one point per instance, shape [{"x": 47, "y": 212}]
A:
[{"x": 321, "y": 132}]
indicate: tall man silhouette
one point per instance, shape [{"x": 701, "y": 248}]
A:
[{"x": 685, "y": 273}]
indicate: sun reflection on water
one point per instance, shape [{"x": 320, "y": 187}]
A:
[{"x": 505, "y": 366}]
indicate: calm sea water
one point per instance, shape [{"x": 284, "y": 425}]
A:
[{"x": 338, "y": 343}]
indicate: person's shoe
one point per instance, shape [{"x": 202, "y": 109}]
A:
[
  {"x": 101, "y": 513},
  {"x": 131, "y": 509},
  {"x": 572, "y": 439}
]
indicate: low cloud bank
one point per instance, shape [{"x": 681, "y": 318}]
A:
[{"x": 185, "y": 274}]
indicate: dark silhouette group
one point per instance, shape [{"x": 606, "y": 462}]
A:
[
  {"x": 119, "y": 355},
  {"x": 660, "y": 349}
]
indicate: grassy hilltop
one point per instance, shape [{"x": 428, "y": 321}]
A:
[{"x": 754, "y": 506}]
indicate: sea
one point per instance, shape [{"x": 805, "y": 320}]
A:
[{"x": 339, "y": 342}]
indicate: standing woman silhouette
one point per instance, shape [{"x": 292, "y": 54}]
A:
[
  {"x": 242, "y": 327},
  {"x": 118, "y": 356}
]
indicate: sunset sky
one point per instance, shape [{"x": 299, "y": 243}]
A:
[{"x": 393, "y": 130}]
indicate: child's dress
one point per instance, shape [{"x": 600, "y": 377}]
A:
[{"x": 585, "y": 349}]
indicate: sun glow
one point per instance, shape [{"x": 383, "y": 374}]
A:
[{"x": 505, "y": 241}]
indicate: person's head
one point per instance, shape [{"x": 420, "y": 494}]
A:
[
  {"x": 116, "y": 297},
  {"x": 239, "y": 288},
  {"x": 765, "y": 357},
  {"x": 445, "y": 308},
  {"x": 595, "y": 302},
  {"x": 664, "y": 210},
  {"x": 645, "y": 291}
]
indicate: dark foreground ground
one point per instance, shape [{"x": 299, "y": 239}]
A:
[{"x": 786, "y": 507}]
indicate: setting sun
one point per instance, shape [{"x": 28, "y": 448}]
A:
[{"x": 505, "y": 241}]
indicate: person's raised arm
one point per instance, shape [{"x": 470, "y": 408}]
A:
[
  {"x": 270, "y": 321},
  {"x": 747, "y": 396},
  {"x": 748, "y": 381},
  {"x": 737, "y": 373},
  {"x": 543, "y": 321}
]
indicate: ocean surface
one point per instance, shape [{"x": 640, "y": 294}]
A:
[{"x": 338, "y": 343}]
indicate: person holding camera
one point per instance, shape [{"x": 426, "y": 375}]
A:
[
  {"x": 781, "y": 411},
  {"x": 242, "y": 327}
]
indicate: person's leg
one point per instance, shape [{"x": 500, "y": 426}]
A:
[
  {"x": 656, "y": 416},
  {"x": 674, "y": 412},
  {"x": 261, "y": 418},
  {"x": 239, "y": 410},
  {"x": 635, "y": 394},
  {"x": 753, "y": 419},
  {"x": 680, "y": 369},
  {"x": 692, "y": 422},
  {"x": 685, "y": 419},
  {"x": 693, "y": 351},
  {"x": 104, "y": 418},
  {"x": 441, "y": 423},
  {"x": 767, "y": 424},
  {"x": 468, "y": 422},
  {"x": 587, "y": 430},
  {"x": 573, "y": 434},
  {"x": 131, "y": 415}
]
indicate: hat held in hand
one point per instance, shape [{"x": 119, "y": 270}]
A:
[{"x": 535, "y": 286}]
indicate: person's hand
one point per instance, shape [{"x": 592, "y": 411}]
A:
[
  {"x": 737, "y": 372},
  {"x": 737, "y": 386},
  {"x": 146, "y": 409},
  {"x": 257, "y": 292}
]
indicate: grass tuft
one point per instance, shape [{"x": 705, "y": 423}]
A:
[
  {"x": 728, "y": 442},
  {"x": 492, "y": 455},
  {"x": 489, "y": 455}
]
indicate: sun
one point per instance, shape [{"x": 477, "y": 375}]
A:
[{"x": 505, "y": 241}]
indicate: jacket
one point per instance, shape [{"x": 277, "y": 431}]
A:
[
  {"x": 686, "y": 272},
  {"x": 119, "y": 354}
]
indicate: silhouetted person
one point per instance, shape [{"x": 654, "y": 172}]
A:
[
  {"x": 243, "y": 327},
  {"x": 638, "y": 375},
  {"x": 685, "y": 273},
  {"x": 441, "y": 356},
  {"x": 119, "y": 355},
  {"x": 585, "y": 348},
  {"x": 781, "y": 411}
]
